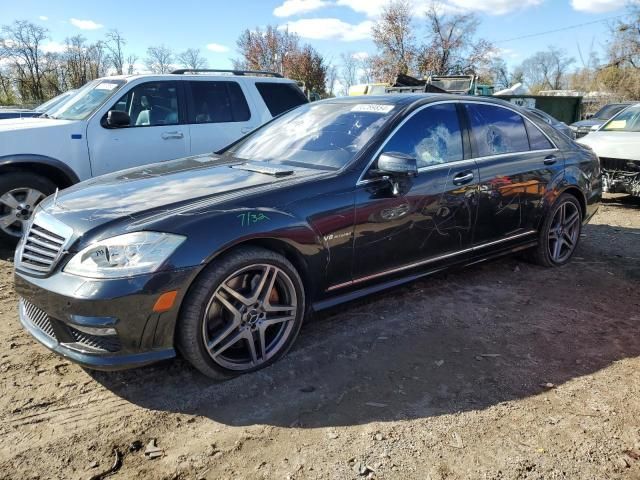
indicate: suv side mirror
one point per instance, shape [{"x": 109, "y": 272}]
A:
[
  {"x": 397, "y": 164},
  {"x": 117, "y": 119}
]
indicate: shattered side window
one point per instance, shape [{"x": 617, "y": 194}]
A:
[
  {"x": 496, "y": 130},
  {"x": 432, "y": 136}
]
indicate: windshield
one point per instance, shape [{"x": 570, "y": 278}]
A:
[
  {"x": 54, "y": 102},
  {"x": 86, "y": 100},
  {"x": 325, "y": 136},
  {"x": 608, "y": 111},
  {"x": 627, "y": 121}
]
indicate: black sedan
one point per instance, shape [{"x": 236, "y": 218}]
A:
[{"x": 221, "y": 256}]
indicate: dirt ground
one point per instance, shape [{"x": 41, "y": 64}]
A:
[{"x": 503, "y": 370}]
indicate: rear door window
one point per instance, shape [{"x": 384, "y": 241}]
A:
[
  {"x": 496, "y": 130},
  {"x": 280, "y": 97},
  {"x": 217, "y": 102}
]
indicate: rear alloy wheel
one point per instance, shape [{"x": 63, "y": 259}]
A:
[
  {"x": 20, "y": 193},
  {"x": 242, "y": 314},
  {"x": 560, "y": 234}
]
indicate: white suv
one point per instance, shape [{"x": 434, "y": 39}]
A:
[{"x": 125, "y": 121}]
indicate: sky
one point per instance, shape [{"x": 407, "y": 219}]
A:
[{"x": 331, "y": 26}]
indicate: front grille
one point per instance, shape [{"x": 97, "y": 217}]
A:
[
  {"x": 43, "y": 245},
  {"x": 106, "y": 343},
  {"x": 37, "y": 318},
  {"x": 619, "y": 164}
]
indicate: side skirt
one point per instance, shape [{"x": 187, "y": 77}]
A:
[{"x": 378, "y": 287}]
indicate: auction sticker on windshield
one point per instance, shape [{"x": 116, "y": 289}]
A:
[{"x": 372, "y": 108}]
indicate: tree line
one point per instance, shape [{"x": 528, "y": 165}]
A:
[{"x": 436, "y": 43}]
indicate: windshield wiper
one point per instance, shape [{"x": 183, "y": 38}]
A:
[{"x": 267, "y": 170}]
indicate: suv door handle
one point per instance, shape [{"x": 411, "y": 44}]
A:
[
  {"x": 170, "y": 135},
  {"x": 550, "y": 159},
  {"x": 246, "y": 129},
  {"x": 462, "y": 178}
]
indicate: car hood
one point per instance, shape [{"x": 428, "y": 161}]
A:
[
  {"x": 31, "y": 123},
  {"x": 588, "y": 123},
  {"x": 623, "y": 145},
  {"x": 174, "y": 187}
]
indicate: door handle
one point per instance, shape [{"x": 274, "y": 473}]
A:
[
  {"x": 170, "y": 135},
  {"x": 462, "y": 178},
  {"x": 550, "y": 159},
  {"x": 246, "y": 129}
]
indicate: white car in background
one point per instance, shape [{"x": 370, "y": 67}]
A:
[
  {"x": 120, "y": 122},
  {"x": 617, "y": 143}
]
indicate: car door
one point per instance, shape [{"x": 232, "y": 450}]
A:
[
  {"x": 156, "y": 131},
  {"x": 218, "y": 114},
  {"x": 421, "y": 219},
  {"x": 517, "y": 163}
]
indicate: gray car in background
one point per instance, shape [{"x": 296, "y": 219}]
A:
[{"x": 554, "y": 122}]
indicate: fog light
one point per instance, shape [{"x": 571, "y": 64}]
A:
[{"x": 101, "y": 331}]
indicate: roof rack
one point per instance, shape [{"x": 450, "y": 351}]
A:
[{"x": 235, "y": 72}]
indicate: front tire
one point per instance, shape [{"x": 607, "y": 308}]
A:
[
  {"x": 20, "y": 193},
  {"x": 560, "y": 233},
  {"x": 242, "y": 313}
]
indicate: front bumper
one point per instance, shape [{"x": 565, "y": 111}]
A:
[{"x": 102, "y": 324}]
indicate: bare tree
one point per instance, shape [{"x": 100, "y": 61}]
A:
[
  {"x": 392, "y": 35},
  {"x": 332, "y": 78},
  {"x": 159, "y": 59},
  {"x": 366, "y": 69},
  {"x": 20, "y": 44},
  {"x": 451, "y": 46},
  {"x": 191, "y": 58},
  {"x": 348, "y": 71},
  {"x": 115, "y": 47},
  {"x": 547, "y": 70},
  {"x": 131, "y": 64}
]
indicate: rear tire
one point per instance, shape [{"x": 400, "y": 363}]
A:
[
  {"x": 20, "y": 192},
  {"x": 241, "y": 314},
  {"x": 560, "y": 233}
]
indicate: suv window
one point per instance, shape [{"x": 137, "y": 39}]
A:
[
  {"x": 496, "y": 130},
  {"x": 537, "y": 140},
  {"x": 432, "y": 136},
  {"x": 280, "y": 97},
  {"x": 150, "y": 104},
  {"x": 218, "y": 102}
]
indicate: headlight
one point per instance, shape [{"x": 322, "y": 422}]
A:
[
  {"x": 124, "y": 255},
  {"x": 573, "y": 127}
]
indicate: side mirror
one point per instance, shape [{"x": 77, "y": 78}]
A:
[
  {"x": 117, "y": 119},
  {"x": 397, "y": 164}
]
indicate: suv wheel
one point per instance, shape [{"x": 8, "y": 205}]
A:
[
  {"x": 19, "y": 194},
  {"x": 560, "y": 232},
  {"x": 242, "y": 313}
]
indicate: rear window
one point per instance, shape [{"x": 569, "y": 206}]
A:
[
  {"x": 217, "y": 102},
  {"x": 280, "y": 97}
]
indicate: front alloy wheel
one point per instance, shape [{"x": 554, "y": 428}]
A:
[
  {"x": 242, "y": 313},
  {"x": 250, "y": 316}
]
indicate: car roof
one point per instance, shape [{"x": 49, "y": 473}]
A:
[
  {"x": 408, "y": 99},
  {"x": 210, "y": 76}
]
